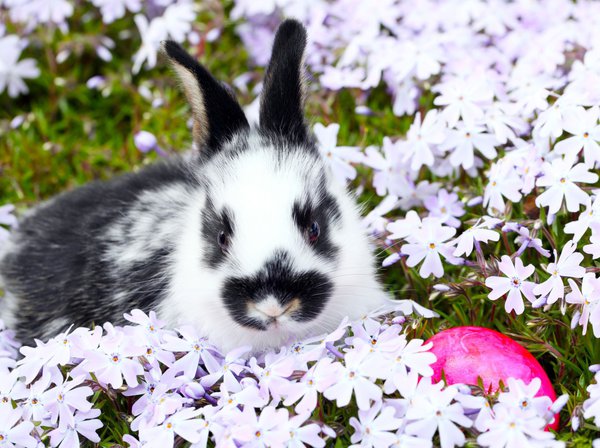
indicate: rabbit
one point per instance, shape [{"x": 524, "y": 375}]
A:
[{"x": 248, "y": 237}]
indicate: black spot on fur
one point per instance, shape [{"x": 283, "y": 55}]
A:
[
  {"x": 326, "y": 213},
  {"x": 278, "y": 279},
  {"x": 213, "y": 223},
  {"x": 282, "y": 103}
]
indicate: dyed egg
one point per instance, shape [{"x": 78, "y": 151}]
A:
[{"x": 466, "y": 353}]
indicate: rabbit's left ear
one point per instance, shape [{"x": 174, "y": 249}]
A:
[
  {"x": 217, "y": 114},
  {"x": 282, "y": 98}
]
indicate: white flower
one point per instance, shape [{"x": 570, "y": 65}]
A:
[
  {"x": 115, "y": 9},
  {"x": 568, "y": 265},
  {"x": 445, "y": 206},
  {"x": 464, "y": 140},
  {"x": 503, "y": 181},
  {"x": 422, "y": 138},
  {"x": 339, "y": 157},
  {"x": 427, "y": 243},
  {"x": 373, "y": 428},
  {"x": 514, "y": 284},
  {"x": 463, "y": 98},
  {"x": 511, "y": 427},
  {"x": 589, "y": 298},
  {"x": 479, "y": 232},
  {"x": 152, "y": 35},
  {"x": 583, "y": 124},
  {"x": 559, "y": 177},
  {"x": 13, "y": 71},
  {"x": 432, "y": 410},
  {"x": 590, "y": 215}
]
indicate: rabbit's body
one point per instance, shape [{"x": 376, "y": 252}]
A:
[{"x": 250, "y": 239}]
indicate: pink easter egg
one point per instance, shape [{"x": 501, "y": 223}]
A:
[{"x": 466, "y": 353}]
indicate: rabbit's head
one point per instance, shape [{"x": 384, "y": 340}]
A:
[{"x": 275, "y": 248}]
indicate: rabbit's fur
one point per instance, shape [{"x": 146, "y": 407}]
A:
[{"x": 222, "y": 238}]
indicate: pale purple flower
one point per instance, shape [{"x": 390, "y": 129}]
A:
[
  {"x": 13, "y": 432},
  {"x": 63, "y": 399},
  {"x": 463, "y": 98},
  {"x": 152, "y": 34},
  {"x": 427, "y": 244},
  {"x": 185, "y": 423},
  {"x": 374, "y": 426},
  {"x": 526, "y": 240},
  {"x": 268, "y": 429},
  {"x": 86, "y": 424},
  {"x": 115, "y": 9},
  {"x": 567, "y": 265},
  {"x": 514, "y": 284},
  {"x": 422, "y": 138},
  {"x": 583, "y": 125},
  {"x": 13, "y": 71},
  {"x": 302, "y": 435},
  {"x": 194, "y": 347},
  {"x": 588, "y": 297},
  {"x": 445, "y": 206},
  {"x": 432, "y": 409},
  {"x": 338, "y": 157},
  {"x": 480, "y": 232},
  {"x": 463, "y": 141},
  {"x": 586, "y": 218},
  {"x": 317, "y": 379},
  {"x": 353, "y": 378},
  {"x": 503, "y": 182},
  {"x": 115, "y": 360},
  {"x": 559, "y": 179}
]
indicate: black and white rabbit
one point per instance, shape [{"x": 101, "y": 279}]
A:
[{"x": 248, "y": 238}]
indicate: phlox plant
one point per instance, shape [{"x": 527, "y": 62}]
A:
[{"x": 469, "y": 130}]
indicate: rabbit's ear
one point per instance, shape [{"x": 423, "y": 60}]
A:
[
  {"x": 282, "y": 98},
  {"x": 217, "y": 114}
]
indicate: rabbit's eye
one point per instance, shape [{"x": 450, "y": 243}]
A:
[
  {"x": 313, "y": 232},
  {"x": 223, "y": 240}
]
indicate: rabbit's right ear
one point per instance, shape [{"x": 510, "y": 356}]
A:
[{"x": 217, "y": 114}]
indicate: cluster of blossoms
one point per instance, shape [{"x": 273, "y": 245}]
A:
[
  {"x": 513, "y": 95},
  {"x": 161, "y": 20},
  {"x": 174, "y": 384}
]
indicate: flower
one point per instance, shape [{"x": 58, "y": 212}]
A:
[
  {"x": 568, "y": 265},
  {"x": 431, "y": 410},
  {"x": 464, "y": 140},
  {"x": 373, "y": 426},
  {"x": 427, "y": 243},
  {"x": 86, "y": 424},
  {"x": 13, "y": 71},
  {"x": 503, "y": 181},
  {"x": 339, "y": 157},
  {"x": 353, "y": 377},
  {"x": 583, "y": 124},
  {"x": 463, "y": 98},
  {"x": 152, "y": 34},
  {"x": 421, "y": 138},
  {"x": 14, "y": 433},
  {"x": 480, "y": 232},
  {"x": 115, "y": 9},
  {"x": 589, "y": 298},
  {"x": 113, "y": 361},
  {"x": 514, "y": 284},
  {"x": 445, "y": 206},
  {"x": 559, "y": 177},
  {"x": 184, "y": 423}
]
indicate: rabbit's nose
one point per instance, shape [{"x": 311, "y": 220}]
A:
[{"x": 271, "y": 308}]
